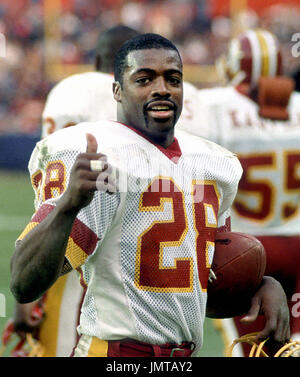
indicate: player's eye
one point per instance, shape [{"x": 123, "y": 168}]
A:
[
  {"x": 143, "y": 80},
  {"x": 174, "y": 80}
]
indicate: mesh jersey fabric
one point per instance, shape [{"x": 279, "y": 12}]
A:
[
  {"x": 268, "y": 199},
  {"x": 192, "y": 113},
  {"x": 145, "y": 251}
]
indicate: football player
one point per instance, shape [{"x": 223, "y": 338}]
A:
[
  {"x": 81, "y": 97},
  {"x": 77, "y": 98},
  {"x": 133, "y": 238},
  {"x": 257, "y": 116}
]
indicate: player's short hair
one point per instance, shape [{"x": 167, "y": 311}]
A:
[
  {"x": 109, "y": 42},
  {"x": 140, "y": 42}
]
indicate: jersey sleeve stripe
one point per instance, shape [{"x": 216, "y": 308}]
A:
[
  {"x": 75, "y": 255},
  {"x": 28, "y": 229},
  {"x": 82, "y": 241},
  {"x": 42, "y": 212},
  {"x": 84, "y": 237}
]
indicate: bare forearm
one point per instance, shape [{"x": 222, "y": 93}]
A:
[{"x": 39, "y": 257}]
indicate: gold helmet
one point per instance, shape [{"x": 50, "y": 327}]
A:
[{"x": 290, "y": 349}]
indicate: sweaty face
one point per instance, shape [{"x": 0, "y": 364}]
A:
[{"x": 151, "y": 97}]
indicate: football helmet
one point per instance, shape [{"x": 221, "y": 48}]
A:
[
  {"x": 290, "y": 349},
  {"x": 251, "y": 55}
]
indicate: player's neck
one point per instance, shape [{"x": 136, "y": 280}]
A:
[{"x": 163, "y": 140}]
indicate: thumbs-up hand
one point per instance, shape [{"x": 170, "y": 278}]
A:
[
  {"x": 90, "y": 172},
  {"x": 91, "y": 144}
]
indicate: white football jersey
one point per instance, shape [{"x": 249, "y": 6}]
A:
[
  {"x": 268, "y": 200},
  {"x": 83, "y": 97},
  {"x": 144, "y": 251},
  {"x": 192, "y": 113}
]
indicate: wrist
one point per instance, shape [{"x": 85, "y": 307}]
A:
[{"x": 67, "y": 207}]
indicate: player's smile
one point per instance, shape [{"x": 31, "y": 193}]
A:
[{"x": 160, "y": 110}]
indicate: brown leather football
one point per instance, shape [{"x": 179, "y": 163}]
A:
[{"x": 239, "y": 265}]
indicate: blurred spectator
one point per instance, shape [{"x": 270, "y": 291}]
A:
[{"x": 24, "y": 82}]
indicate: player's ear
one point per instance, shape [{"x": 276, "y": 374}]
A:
[{"x": 117, "y": 91}]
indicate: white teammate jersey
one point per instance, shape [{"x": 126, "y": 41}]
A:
[
  {"x": 268, "y": 200},
  {"x": 192, "y": 113},
  {"x": 83, "y": 97},
  {"x": 145, "y": 251}
]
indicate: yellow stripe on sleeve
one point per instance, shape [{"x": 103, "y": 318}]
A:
[
  {"x": 75, "y": 255},
  {"x": 28, "y": 229}
]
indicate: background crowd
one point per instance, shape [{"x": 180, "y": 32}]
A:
[{"x": 197, "y": 27}]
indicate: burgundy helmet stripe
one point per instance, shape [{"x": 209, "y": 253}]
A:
[{"x": 246, "y": 61}]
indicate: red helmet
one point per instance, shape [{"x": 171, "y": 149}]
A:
[{"x": 251, "y": 55}]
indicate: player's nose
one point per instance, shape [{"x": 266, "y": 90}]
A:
[{"x": 160, "y": 87}]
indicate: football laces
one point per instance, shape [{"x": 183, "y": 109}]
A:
[{"x": 211, "y": 276}]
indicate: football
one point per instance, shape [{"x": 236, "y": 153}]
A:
[{"x": 238, "y": 265}]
